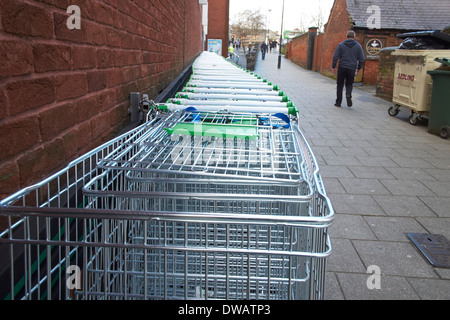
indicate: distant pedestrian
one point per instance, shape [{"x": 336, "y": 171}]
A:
[
  {"x": 350, "y": 55},
  {"x": 274, "y": 46},
  {"x": 263, "y": 50},
  {"x": 230, "y": 51}
]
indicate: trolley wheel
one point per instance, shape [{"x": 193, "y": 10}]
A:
[
  {"x": 414, "y": 120},
  {"x": 445, "y": 132},
  {"x": 393, "y": 111}
]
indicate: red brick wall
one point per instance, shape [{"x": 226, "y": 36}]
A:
[
  {"x": 298, "y": 50},
  {"x": 370, "y": 72},
  {"x": 335, "y": 32},
  {"x": 318, "y": 52},
  {"x": 64, "y": 92},
  {"x": 372, "y": 67},
  {"x": 218, "y": 23},
  {"x": 385, "y": 81}
]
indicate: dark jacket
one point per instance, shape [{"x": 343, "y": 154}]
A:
[{"x": 350, "y": 55}]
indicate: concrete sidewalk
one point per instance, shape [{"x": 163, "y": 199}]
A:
[{"x": 385, "y": 177}]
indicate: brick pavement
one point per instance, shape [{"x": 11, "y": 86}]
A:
[{"x": 385, "y": 178}]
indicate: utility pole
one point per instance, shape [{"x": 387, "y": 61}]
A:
[{"x": 281, "y": 37}]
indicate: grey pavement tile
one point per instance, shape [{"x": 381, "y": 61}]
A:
[
  {"x": 439, "y": 205},
  {"x": 439, "y": 174},
  {"x": 325, "y": 143},
  {"x": 355, "y": 204},
  {"x": 440, "y": 188},
  {"x": 349, "y": 132},
  {"x": 391, "y": 133},
  {"x": 336, "y": 172},
  {"x": 372, "y": 173},
  {"x": 349, "y": 151},
  {"x": 394, "y": 258},
  {"x": 379, "y": 161},
  {"x": 321, "y": 163},
  {"x": 403, "y": 206},
  {"x": 341, "y": 124},
  {"x": 444, "y": 273},
  {"x": 323, "y": 151},
  {"x": 443, "y": 153},
  {"x": 344, "y": 257},
  {"x": 354, "y": 287},
  {"x": 305, "y": 125},
  {"x": 364, "y": 186},
  {"x": 436, "y": 226},
  {"x": 393, "y": 228},
  {"x": 413, "y": 153},
  {"x": 429, "y": 289},
  {"x": 334, "y": 135},
  {"x": 355, "y": 143},
  {"x": 311, "y": 134},
  {"x": 442, "y": 146},
  {"x": 412, "y": 145},
  {"x": 351, "y": 227},
  {"x": 412, "y": 162},
  {"x": 364, "y": 134},
  {"x": 333, "y": 186},
  {"x": 378, "y": 143},
  {"x": 335, "y": 160},
  {"x": 393, "y": 150},
  {"x": 407, "y": 187},
  {"x": 379, "y": 124},
  {"x": 410, "y": 173},
  {"x": 332, "y": 289},
  {"x": 381, "y": 151}
]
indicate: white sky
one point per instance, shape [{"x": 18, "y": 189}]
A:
[{"x": 294, "y": 11}]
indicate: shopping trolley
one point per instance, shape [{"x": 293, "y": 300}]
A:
[{"x": 190, "y": 205}]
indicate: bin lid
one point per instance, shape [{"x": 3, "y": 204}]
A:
[
  {"x": 439, "y": 73},
  {"x": 444, "y": 61},
  {"x": 425, "y": 40},
  {"x": 434, "y": 34}
]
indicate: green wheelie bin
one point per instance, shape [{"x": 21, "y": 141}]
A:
[{"x": 439, "y": 120}]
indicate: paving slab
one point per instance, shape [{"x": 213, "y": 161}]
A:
[
  {"x": 394, "y": 258},
  {"x": 354, "y": 287},
  {"x": 385, "y": 178}
]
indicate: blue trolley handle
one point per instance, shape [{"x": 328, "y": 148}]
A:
[
  {"x": 282, "y": 116},
  {"x": 196, "y": 117}
]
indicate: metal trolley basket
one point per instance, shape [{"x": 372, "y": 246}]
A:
[{"x": 190, "y": 205}]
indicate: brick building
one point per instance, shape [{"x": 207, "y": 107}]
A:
[
  {"x": 376, "y": 23},
  {"x": 65, "y": 91},
  {"x": 218, "y": 26}
]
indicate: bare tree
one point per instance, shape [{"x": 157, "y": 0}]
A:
[
  {"x": 249, "y": 23},
  {"x": 302, "y": 22},
  {"x": 318, "y": 19}
]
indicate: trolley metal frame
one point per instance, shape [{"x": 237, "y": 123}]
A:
[{"x": 190, "y": 205}]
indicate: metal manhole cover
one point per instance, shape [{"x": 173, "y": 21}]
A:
[{"x": 436, "y": 248}]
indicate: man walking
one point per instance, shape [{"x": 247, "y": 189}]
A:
[
  {"x": 350, "y": 55},
  {"x": 263, "y": 50}
]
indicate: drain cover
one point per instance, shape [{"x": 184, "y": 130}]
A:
[{"x": 436, "y": 248}]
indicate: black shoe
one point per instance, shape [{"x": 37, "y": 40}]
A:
[
  {"x": 349, "y": 102},
  {"x": 337, "y": 105}
]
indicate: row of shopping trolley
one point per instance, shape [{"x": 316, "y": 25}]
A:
[{"x": 216, "y": 196}]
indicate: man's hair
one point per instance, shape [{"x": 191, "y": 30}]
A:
[{"x": 351, "y": 34}]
